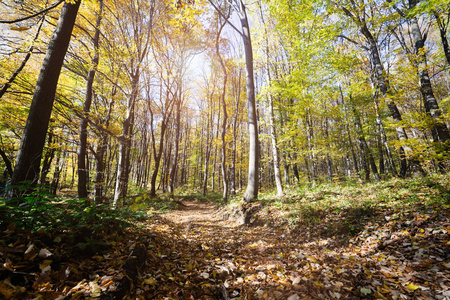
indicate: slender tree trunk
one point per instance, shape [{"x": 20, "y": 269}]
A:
[
  {"x": 233, "y": 152},
  {"x": 273, "y": 133},
  {"x": 384, "y": 86},
  {"x": 56, "y": 175},
  {"x": 102, "y": 148},
  {"x": 443, "y": 25},
  {"x": 157, "y": 154},
  {"x": 207, "y": 151},
  {"x": 309, "y": 138},
  {"x": 33, "y": 138},
  {"x": 380, "y": 131},
  {"x": 251, "y": 192},
  {"x": 329, "y": 164},
  {"x": 173, "y": 170},
  {"x": 366, "y": 154},
  {"x": 355, "y": 161},
  {"x": 48, "y": 157},
  {"x": 123, "y": 167},
  {"x": 224, "y": 120},
  {"x": 286, "y": 169},
  {"x": 82, "y": 172},
  {"x": 7, "y": 162}
]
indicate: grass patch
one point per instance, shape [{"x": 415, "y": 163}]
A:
[{"x": 346, "y": 208}]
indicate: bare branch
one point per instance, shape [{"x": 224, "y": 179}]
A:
[{"x": 33, "y": 15}]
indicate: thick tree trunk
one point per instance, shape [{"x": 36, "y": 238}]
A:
[
  {"x": 82, "y": 171},
  {"x": 33, "y": 138}
]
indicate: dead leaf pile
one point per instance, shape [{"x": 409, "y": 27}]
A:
[{"x": 193, "y": 254}]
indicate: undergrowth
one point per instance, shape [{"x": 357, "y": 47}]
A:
[
  {"x": 345, "y": 208},
  {"x": 42, "y": 211}
]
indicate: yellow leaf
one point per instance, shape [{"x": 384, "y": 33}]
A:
[
  {"x": 19, "y": 28},
  {"x": 413, "y": 286},
  {"x": 150, "y": 281},
  {"x": 45, "y": 264}
]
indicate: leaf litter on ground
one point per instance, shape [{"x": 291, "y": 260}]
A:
[{"x": 395, "y": 247}]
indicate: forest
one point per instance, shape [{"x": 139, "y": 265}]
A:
[{"x": 193, "y": 149}]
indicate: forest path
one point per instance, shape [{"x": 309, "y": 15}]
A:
[
  {"x": 206, "y": 253},
  {"x": 195, "y": 254},
  {"x": 196, "y": 213}
]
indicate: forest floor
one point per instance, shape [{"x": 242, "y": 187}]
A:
[{"x": 296, "y": 248}]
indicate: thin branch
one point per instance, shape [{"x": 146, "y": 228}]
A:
[
  {"x": 33, "y": 15},
  {"x": 22, "y": 65},
  {"x": 218, "y": 10}
]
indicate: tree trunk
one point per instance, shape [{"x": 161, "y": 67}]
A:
[
  {"x": 7, "y": 162},
  {"x": 82, "y": 172},
  {"x": 443, "y": 32},
  {"x": 123, "y": 167},
  {"x": 173, "y": 170},
  {"x": 366, "y": 154},
  {"x": 33, "y": 138},
  {"x": 48, "y": 157},
  {"x": 251, "y": 192},
  {"x": 355, "y": 161},
  {"x": 384, "y": 86},
  {"x": 440, "y": 131},
  {"x": 233, "y": 153},
  {"x": 224, "y": 121},
  {"x": 157, "y": 154}
]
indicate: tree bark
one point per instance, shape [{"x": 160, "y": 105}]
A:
[
  {"x": 82, "y": 172},
  {"x": 237, "y": 91},
  {"x": 123, "y": 167},
  {"x": 225, "y": 117},
  {"x": 173, "y": 169},
  {"x": 251, "y": 192},
  {"x": 7, "y": 162},
  {"x": 443, "y": 32},
  {"x": 48, "y": 157},
  {"x": 33, "y": 138},
  {"x": 440, "y": 131},
  {"x": 366, "y": 154}
]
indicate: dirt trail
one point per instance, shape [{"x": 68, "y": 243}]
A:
[
  {"x": 198, "y": 255},
  {"x": 212, "y": 253},
  {"x": 197, "y": 213}
]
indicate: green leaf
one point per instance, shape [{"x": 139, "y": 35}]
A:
[{"x": 365, "y": 291}]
